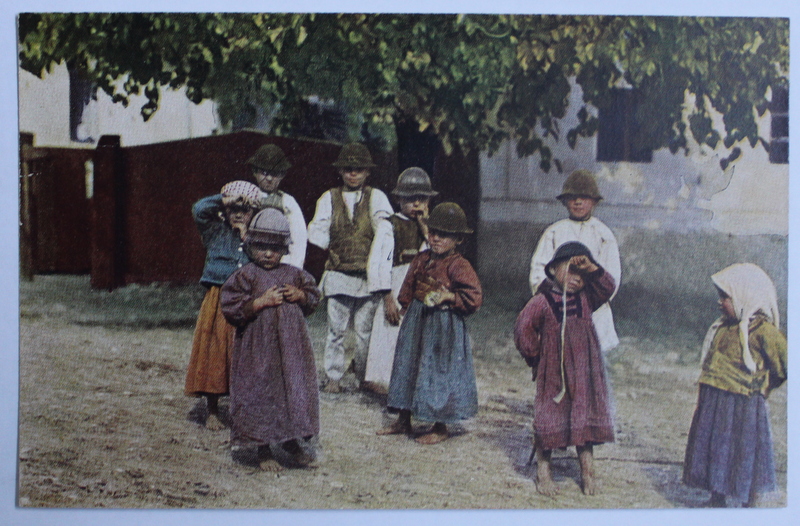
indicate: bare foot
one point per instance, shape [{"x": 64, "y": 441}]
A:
[
  {"x": 304, "y": 460},
  {"x": 374, "y": 388},
  {"x": 398, "y": 427},
  {"x": 270, "y": 465},
  {"x": 544, "y": 481},
  {"x": 437, "y": 434},
  {"x": 213, "y": 423},
  {"x": 586, "y": 460},
  {"x": 588, "y": 483},
  {"x": 332, "y": 387}
]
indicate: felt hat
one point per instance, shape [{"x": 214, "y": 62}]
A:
[
  {"x": 449, "y": 218},
  {"x": 354, "y": 155},
  {"x": 565, "y": 252},
  {"x": 412, "y": 182},
  {"x": 270, "y": 158},
  {"x": 269, "y": 226},
  {"x": 580, "y": 182}
]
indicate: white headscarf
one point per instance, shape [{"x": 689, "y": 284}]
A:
[{"x": 751, "y": 290}]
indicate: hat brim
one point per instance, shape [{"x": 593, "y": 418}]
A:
[
  {"x": 343, "y": 164},
  {"x": 267, "y": 238},
  {"x": 426, "y": 193},
  {"x": 449, "y": 231},
  {"x": 561, "y": 197}
]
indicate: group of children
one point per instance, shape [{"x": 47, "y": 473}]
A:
[{"x": 401, "y": 283}]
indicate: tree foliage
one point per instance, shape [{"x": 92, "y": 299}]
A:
[{"x": 475, "y": 80}]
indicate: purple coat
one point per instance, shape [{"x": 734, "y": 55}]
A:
[
  {"x": 273, "y": 386},
  {"x": 583, "y": 415}
]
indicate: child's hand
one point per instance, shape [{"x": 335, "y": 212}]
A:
[
  {"x": 292, "y": 294},
  {"x": 582, "y": 265},
  {"x": 271, "y": 298},
  {"x": 438, "y": 297},
  {"x": 391, "y": 309}
]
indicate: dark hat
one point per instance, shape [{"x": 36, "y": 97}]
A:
[
  {"x": 580, "y": 182},
  {"x": 449, "y": 218},
  {"x": 269, "y": 158},
  {"x": 567, "y": 251},
  {"x": 269, "y": 226},
  {"x": 354, "y": 155},
  {"x": 414, "y": 181}
]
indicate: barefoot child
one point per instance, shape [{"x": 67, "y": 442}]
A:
[
  {"x": 274, "y": 397},
  {"x": 729, "y": 451},
  {"x": 433, "y": 377},
  {"x": 222, "y": 220},
  {"x": 556, "y": 336},
  {"x": 413, "y": 193}
]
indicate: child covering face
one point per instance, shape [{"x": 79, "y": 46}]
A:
[
  {"x": 729, "y": 450},
  {"x": 274, "y": 397},
  {"x": 556, "y": 336}
]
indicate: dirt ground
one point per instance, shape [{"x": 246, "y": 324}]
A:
[{"x": 103, "y": 422}]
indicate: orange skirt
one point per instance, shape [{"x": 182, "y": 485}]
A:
[{"x": 210, "y": 363}]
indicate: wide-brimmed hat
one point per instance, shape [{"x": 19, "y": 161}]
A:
[
  {"x": 580, "y": 182},
  {"x": 246, "y": 194},
  {"x": 565, "y": 252},
  {"x": 412, "y": 182},
  {"x": 270, "y": 227},
  {"x": 354, "y": 155},
  {"x": 270, "y": 158},
  {"x": 449, "y": 218}
]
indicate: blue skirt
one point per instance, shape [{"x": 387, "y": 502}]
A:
[
  {"x": 433, "y": 375},
  {"x": 730, "y": 445}
]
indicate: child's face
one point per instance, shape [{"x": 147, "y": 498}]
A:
[
  {"x": 353, "y": 178},
  {"x": 268, "y": 181},
  {"x": 442, "y": 243},
  {"x": 726, "y": 307},
  {"x": 414, "y": 206},
  {"x": 570, "y": 281},
  {"x": 267, "y": 256},
  {"x": 238, "y": 216},
  {"x": 580, "y": 207}
]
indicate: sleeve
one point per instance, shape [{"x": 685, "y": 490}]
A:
[
  {"x": 205, "y": 212},
  {"x": 406, "y": 293},
  {"x": 527, "y": 331},
  {"x": 319, "y": 229},
  {"x": 307, "y": 284},
  {"x": 544, "y": 252},
  {"x": 297, "y": 229},
  {"x": 379, "y": 263},
  {"x": 599, "y": 287},
  {"x": 236, "y": 299},
  {"x": 608, "y": 257},
  {"x": 466, "y": 286},
  {"x": 772, "y": 346}
]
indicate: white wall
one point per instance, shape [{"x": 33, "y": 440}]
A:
[{"x": 44, "y": 111}]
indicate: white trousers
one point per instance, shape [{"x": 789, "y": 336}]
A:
[{"x": 341, "y": 311}]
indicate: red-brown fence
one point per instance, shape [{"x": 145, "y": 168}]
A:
[{"x": 136, "y": 226}]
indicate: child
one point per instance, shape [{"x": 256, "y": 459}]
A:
[
  {"x": 222, "y": 220},
  {"x": 413, "y": 193},
  {"x": 432, "y": 376},
  {"x": 579, "y": 196},
  {"x": 556, "y": 335},
  {"x": 351, "y": 221},
  {"x": 729, "y": 451},
  {"x": 274, "y": 397},
  {"x": 269, "y": 166}
]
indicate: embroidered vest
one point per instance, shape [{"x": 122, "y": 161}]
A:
[
  {"x": 351, "y": 239},
  {"x": 407, "y": 240}
]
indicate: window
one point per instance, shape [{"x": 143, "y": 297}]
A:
[
  {"x": 779, "y": 136},
  {"x": 618, "y": 133}
]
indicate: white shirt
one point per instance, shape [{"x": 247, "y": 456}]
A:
[
  {"x": 599, "y": 239},
  {"x": 379, "y": 262},
  {"x": 297, "y": 231}
]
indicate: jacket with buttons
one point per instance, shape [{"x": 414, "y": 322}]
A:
[{"x": 224, "y": 250}]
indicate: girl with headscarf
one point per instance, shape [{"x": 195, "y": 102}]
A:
[{"x": 729, "y": 451}]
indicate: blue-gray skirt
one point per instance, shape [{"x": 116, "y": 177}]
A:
[
  {"x": 730, "y": 445},
  {"x": 433, "y": 375}
]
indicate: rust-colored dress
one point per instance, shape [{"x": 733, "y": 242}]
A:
[{"x": 274, "y": 393}]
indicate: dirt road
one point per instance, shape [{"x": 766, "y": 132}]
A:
[{"x": 103, "y": 422}]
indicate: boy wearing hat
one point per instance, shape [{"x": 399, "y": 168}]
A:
[
  {"x": 579, "y": 196},
  {"x": 274, "y": 395},
  {"x": 413, "y": 194},
  {"x": 556, "y": 336},
  {"x": 269, "y": 166},
  {"x": 352, "y": 223}
]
